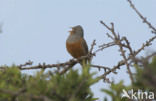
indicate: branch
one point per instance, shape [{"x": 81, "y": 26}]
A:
[
  {"x": 118, "y": 41},
  {"x": 132, "y": 54},
  {"x": 144, "y": 19},
  {"x": 103, "y": 67}
]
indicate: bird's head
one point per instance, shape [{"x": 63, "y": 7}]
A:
[{"x": 78, "y": 30}]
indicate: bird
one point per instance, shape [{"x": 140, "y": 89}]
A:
[{"x": 76, "y": 44}]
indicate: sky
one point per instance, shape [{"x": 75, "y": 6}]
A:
[{"x": 37, "y": 30}]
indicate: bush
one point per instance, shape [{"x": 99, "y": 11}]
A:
[{"x": 72, "y": 86}]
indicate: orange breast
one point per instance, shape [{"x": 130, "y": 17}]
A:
[{"x": 76, "y": 49}]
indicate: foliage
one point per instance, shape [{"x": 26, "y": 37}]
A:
[
  {"x": 145, "y": 79},
  {"x": 146, "y": 75},
  {"x": 115, "y": 91},
  {"x": 72, "y": 86}
]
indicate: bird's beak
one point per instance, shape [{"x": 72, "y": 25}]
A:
[{"x": 71, "y": 30}]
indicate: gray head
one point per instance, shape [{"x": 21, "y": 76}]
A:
[
  {"x": 75, "y": 34},
  {"x": 78, "y": 30}
]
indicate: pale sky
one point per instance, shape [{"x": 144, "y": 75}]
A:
[{"x": 37, "y": 30}]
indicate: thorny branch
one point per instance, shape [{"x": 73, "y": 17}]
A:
[
  {"x": 132, "y": 54},
  {"x": 117, "y": 41},
  {"x": 144, "y": 19}
]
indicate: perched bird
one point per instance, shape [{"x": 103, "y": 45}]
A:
[{"x": 76, "y": 44}]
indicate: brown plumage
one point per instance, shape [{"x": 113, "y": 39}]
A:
[{"x": 76, "y": 44}]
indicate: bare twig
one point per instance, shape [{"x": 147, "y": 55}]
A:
[
  {"x": 118, "y": 41},
  {"x": 132, "y": 54},
  {"x": 26, "y": 64},
  {"x": 122, "y": 62},
  {"x": 144, "y": 19},
  {"x": 102, "y": 67},
  {"x": 105, "y": 45},
  {"x": 148, "y": 43}
]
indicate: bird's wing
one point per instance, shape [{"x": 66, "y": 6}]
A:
[{"x": 84, "y": 45}]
